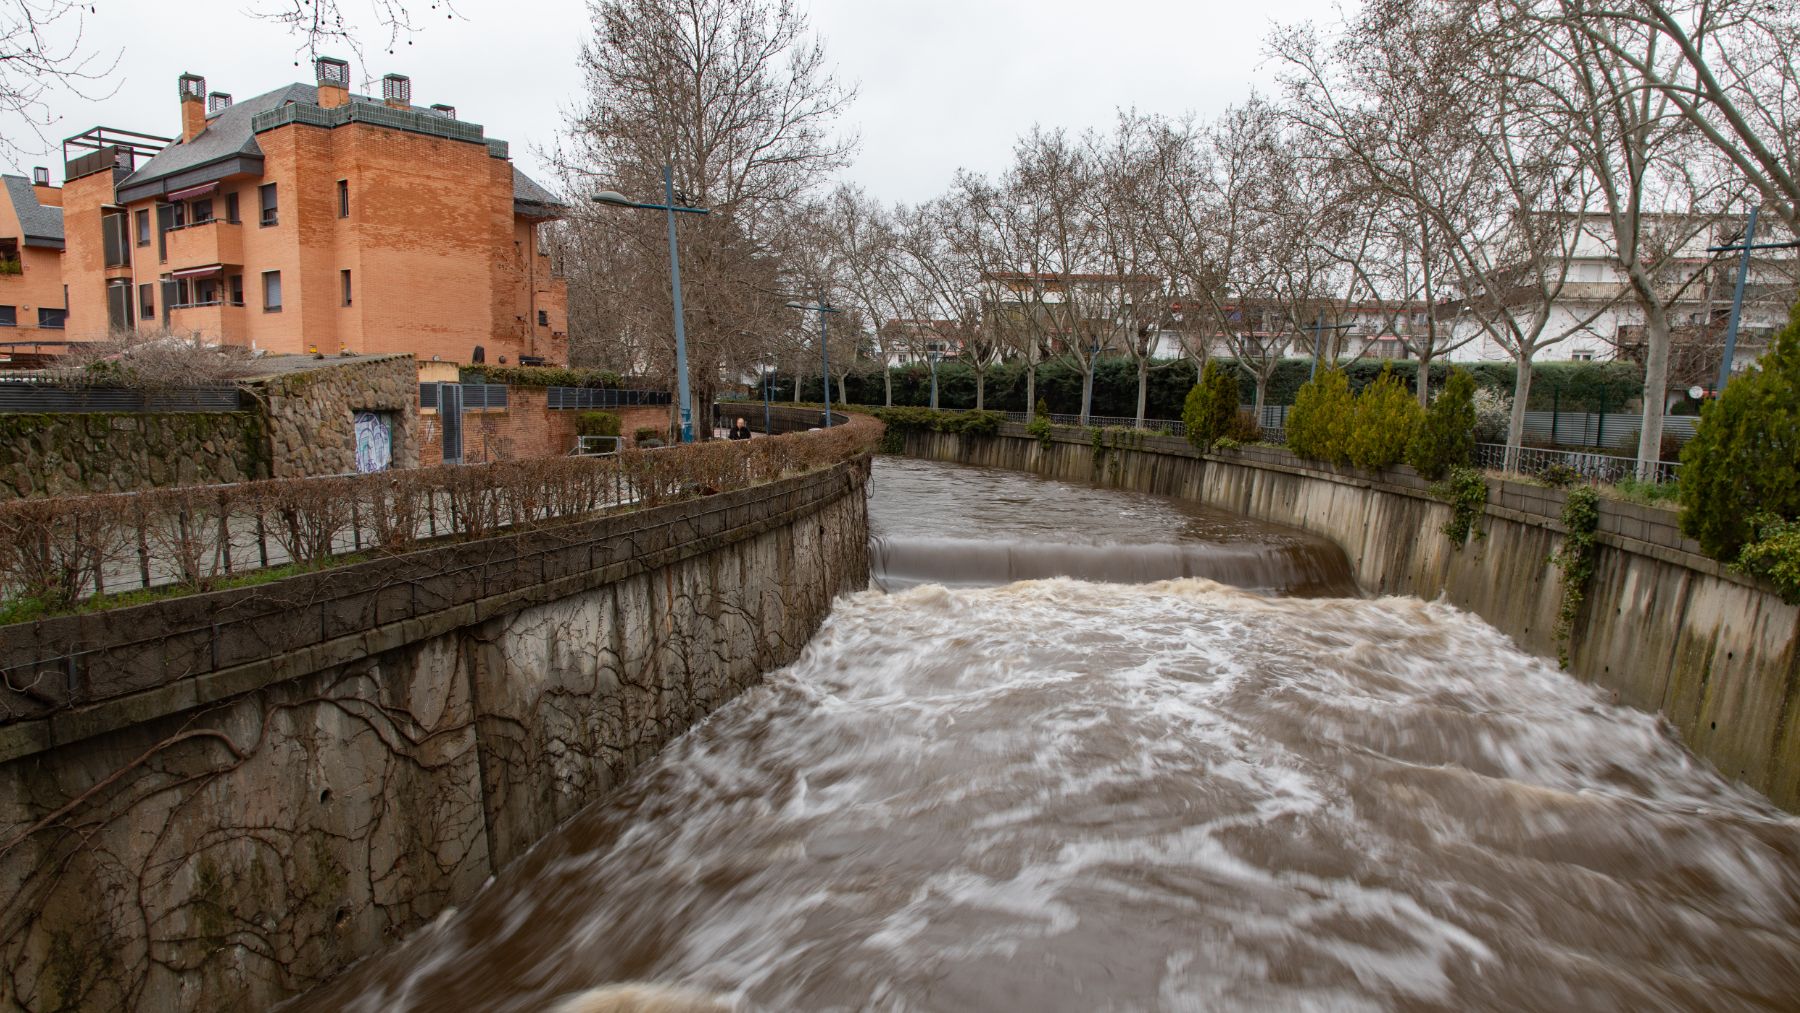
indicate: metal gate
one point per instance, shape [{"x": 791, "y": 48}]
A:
[{"x": 450, "y": 417}]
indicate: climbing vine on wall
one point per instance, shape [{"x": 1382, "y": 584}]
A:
[
  {"x": 1466, "y": 492},
  {"x": 1581, "y": 518}
]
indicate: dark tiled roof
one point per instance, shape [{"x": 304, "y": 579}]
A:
[
  {"x": 228, "y": 133},
  {"x": 42, "y": 224},
  {"x": 530, "y": 198}
]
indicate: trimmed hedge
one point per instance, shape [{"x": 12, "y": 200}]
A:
[{"x": 541, "y": 376}]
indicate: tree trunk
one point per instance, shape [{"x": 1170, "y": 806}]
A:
[
  {"x": 1031, "y": 388},
  {"x": 1262, "y": 394},
  {"x": 887, "y": 387},
  {"x": 1087, "y": 395},
  {"x": 1515, "y": 429},
  {"x": 1143, "y": 389},
  {"x": 1424, "y": 381},
  {"x": 1656, "y": 386},
  {"x": 843, "y": 388},
  {"x": 980, "y": 389}
]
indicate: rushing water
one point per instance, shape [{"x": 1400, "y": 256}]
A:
[{"x": 1067, "y": 795}]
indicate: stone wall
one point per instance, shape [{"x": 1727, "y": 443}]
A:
[
  {"x": 311, "y": 412},
  {"x": 72, "y": 454},
  {"x": 222, "y": 800},
  {"x": 1664, "y": 628}
]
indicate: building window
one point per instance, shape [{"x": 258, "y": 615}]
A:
[
  {"x": 271, "y": 291},
  {"x": 343, "y": 198},
  {"x": 115, "y": 237},
  {"x": 231, "y": 208},
  {"x": 543, "y": 318},
  {"x": 236, "y": 286},
  {"x": 206, "y": 291},
  {"x": 345, "y": 276},
  {"x": 52, "y": 319},
  {"x": 143, "y": 227},
  {"x": 146, "y": 300},
  {"x": 267, "y": 193},
  {"x": 1581, "y": 356},
  {"x": 9, "y": 316}
]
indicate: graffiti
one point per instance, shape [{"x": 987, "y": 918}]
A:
[{"x": 374, "y": 441}]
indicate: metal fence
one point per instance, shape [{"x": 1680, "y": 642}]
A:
[
  {"x": 1593, "y": 469},
  {"x": 46, "y": 398},
  {"x": 597, "y": 397},
  {"x": 475, "y": 396}
]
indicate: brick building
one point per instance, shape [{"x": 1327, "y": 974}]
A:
[
  {"x": 309, "y": 217},
  {"x": 31, "y": 249}
]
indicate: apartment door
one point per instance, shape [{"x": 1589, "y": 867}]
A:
[{"x": 450, "y": 417}]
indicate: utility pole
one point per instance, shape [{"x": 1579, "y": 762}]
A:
[{"x": 1737, "y": 297}]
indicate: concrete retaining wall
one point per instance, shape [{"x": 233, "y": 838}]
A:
[
  {"x": 1665, "y": 628},
  {"x": 218, "y": 801}
]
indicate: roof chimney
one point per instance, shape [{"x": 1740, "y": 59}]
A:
[
  {"x": 193, "y": 106},
  {"x": 217, "y": 103},
  {"x": 40, "y": 176},
  {"x": 396, "y": 91},
  {"x": 448, "y": 112},
  {"x": 334, "y": 82},
  {"x": 47, "y": 194}
]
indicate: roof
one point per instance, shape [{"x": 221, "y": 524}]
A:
[
  {"x": 227, "y": 135},
  {"x": 532, "y": 200},
  {"x": 41, "y": 223}
]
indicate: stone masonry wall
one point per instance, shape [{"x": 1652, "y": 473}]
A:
[
  {"x": 72, "y": 454},
  {"x": 285, "y": 779},
  {"x": 312, "y": 414}
]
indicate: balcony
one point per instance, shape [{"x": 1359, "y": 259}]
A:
[
  {"x": 221, "y": 321},
  {"x": 215, "y": 241}
]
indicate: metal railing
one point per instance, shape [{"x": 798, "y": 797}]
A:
[{"x": 1593, "y": 469}]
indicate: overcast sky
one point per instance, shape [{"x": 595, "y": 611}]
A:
[{"x": 944, "y": 84}]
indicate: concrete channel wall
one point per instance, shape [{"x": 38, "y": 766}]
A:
[
  {"x": 214, "y": 802},
  {"x": 1664, "y": 628}
]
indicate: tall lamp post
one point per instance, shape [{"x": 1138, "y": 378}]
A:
[
  {"x": 934, "y": 355},
  {"x": 668, "y": 207},
  {"x": 823, "y": 308},
  {"x": 1737, "y": 298}
]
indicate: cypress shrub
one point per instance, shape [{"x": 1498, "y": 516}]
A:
[
  {"x": 1446, "y": 435},
  {"x": 1318, "y": 426},
  {"x": 1210, "y": 407},
  {"x": 1382, "y": 423},
  {"x": 1743, "y": 464},
  {"x": 597, "y": 424}
]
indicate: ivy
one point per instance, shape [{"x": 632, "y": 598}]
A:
[
  {"x": 1466, "y": 492},
  {"x": 1581, "y": 519},
  {"x": 1098, "y": 436},
  {"x": 1774, "y": 555}
]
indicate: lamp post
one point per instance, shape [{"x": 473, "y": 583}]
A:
[
  {"x": 934, "y": 355},
  {"x": 668, "y": 208},
  {"x": 1737, "y": 298},
  {"x": 822, "y": 308}
]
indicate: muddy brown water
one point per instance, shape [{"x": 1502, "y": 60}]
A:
[{"x": 1204, "y": 776}]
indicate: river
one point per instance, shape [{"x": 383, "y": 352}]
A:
[{"x": 1147, "y": 789}]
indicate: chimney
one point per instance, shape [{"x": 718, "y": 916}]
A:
[
  {"x": 47, "y": 195},
  {"x": 334, "y": 82},
  {"x": 217, "y": 103},
  {"x": 40, "y": 176},
  {"x": 396, "y": 91},
  {"x": 193, "y": 106},
  {"x": 448, "y": 112}
]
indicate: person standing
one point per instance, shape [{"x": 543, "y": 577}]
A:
[{"x": 741, "y": 430}]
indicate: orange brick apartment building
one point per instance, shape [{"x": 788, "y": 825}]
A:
[
  {"x": 31, "y": 244},
  {"x": 309, "y": 217}
]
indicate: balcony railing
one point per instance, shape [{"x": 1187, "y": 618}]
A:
[{"x": 214, "y": 241}]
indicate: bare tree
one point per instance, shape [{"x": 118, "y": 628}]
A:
[
  {"x": 43, "y": 52},
  {"x": 325, "y": 23}
]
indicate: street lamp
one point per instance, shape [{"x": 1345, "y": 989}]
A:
[
  {"x": 669, "y": 208},
  {"x": 822, "y": 308},
  {"x": 934, "y": 355}
]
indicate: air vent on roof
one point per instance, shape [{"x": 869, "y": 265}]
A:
[
  {"x": 40, "y": 176},
  {"x": 332, "y": 71},
  {"x": 396, "y": 89},
  {"x": 193, "y": 87},
  {"x": 217, "y": 103},
  {"x": 448, "y": 111}
]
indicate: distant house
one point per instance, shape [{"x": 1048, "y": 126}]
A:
[
  {"x": 308, "y": 218},
  {"x": 33, "y": 309}
]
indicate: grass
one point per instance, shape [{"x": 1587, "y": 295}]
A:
[
  {"x": 25, "y": 608},
  {"x": 1631, "y": 490}
]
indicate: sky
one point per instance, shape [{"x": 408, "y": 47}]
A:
[{"x": 943, "y": 84}]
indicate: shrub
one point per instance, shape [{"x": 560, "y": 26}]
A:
[
  {"x": 1775, "y": 556},
  {"x": 1581, "y": 519},
  {"x": 1741, "y": 462},
  {"x": 1318, "y": 426},
  {"x": 645, "y": 434},
  {"x": 1446, "y": 435},
  {"x": 1243, "y": 428},
  {"x": 1493, "y": 415},
  {"x": 540, "y": 376},
  {"x": 1558, "y": 475},
  {"x": 597, "y": 424},
  {"x": 1466, "y": 492},
  {"x": 1211, "y": 404},
  {"x": 1382, "y": 423}
]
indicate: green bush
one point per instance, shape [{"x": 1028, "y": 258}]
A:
[
  {"x": 1466, "y": 492},
  {"x": 1210, "y": 406},
  {"x": 1741, "y": 463},
  {"x": 1446, "y": 435},
  {"x": 1382, "y": 423},
  {"x": 644, "y": 433},
  {"x": 1243, "y": 428},
  {"x": 540, "y": 376},
  {"x": 1581, "y": 521},
  {"x": 1318, "y": 426},
  {"x": 597, "y": 424},
  {"x": 1775, "y": 556}
]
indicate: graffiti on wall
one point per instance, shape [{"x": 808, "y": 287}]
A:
[{"x": 374, "y": 441}]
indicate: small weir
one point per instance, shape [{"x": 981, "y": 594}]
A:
[{"x": 1190, "y": 770}]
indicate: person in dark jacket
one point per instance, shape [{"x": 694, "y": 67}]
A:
[{"x": 740, "y": 431}]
